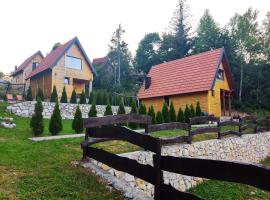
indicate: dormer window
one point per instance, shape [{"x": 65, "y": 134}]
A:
[
  {"x": 34, "y": 65},
  {"x": 220, "y": 74}
]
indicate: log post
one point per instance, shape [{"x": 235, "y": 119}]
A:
[
  {"x": 224, "y": 104},
  {"x": 158, "y": 172}
]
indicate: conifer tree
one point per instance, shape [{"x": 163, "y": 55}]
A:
[
  {"x": 73, "y": 98},
  {"x": 198, "y": 109},
  {"x": 93, "y": 110},
  {"x": 87, "y": 92},
  {"x": 99, "y": 100},
  {"x": 192, "y": 111},
  {"x": 121, "y": 109},
  {"x": 180, "y": 116},
  {"x": 165, "y": 113},
  {"x": 172, "y": 113},
  {"x": 105, "y": 99},
  {"x": 142, "y": 109},
  {"x": 108, "y": 110},
  {"x": 40, "y": 94},
  {"x": 64, "y": 96},
  {"x": 77, "y": 123},
  {"x": 187, "y": 114},
  {"x": 91, "y": 97},
  {"x": 82, "y": 98},
  {"x": 151, "y": 112},
  {"x": 54, "y": 95},
  {"x": 29, "y": 96},
  {"x": 36, "y": 122},
  {"x": 55, "y": 125},
  {"x": 159, "y": 119},
  {"x": 133, "y": 110}
]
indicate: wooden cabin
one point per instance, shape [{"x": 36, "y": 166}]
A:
[
  {"x": 68, "y": 65},
  {"x": 203, "y": 77}
]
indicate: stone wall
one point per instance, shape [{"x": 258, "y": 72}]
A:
[
  {"x": 26, "y": 109},
  {"x": 250, "y": 148}
]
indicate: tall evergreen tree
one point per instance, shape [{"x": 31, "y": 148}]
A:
[
  {"x": 187, "y": 114},
  {"x": 142, "y": 109},
  {"x": 108, "y": 110},
  {"x": 54, "y": 95},
  {"x": 180, "y": 116},
  {"x": 121, "y": 109},
  {"x": 40, "y": 94},
  {"x": 192, "y": 111},
  {"x": 133, "y": 110},
  {"x": 198, "y": 109},
  {"x": 29, "y": 96},
  {"x": 159, "y": 118},
  {"x": 151, "y": 112},
  {"x": 93, "y": 110},
  {"x": 73, "y": 98},
  {"x": 55, "y": 125},
  {"x": 77, "y": 123},
  {"x": 36, "y": 122},
  {"x": 165, "y": 113},
  {"x": 82, "y": 98},
  {"x": 172, "y": 113},
  {"x": 99, "y": 100},
  {"x": 91, "y": 97},
  {"x": 64, "y": 96}
]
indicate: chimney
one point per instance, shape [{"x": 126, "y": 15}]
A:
[
  {"x": 147, "y": 82},
  {"x": 16, "y": 67}
]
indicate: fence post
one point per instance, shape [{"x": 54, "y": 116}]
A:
[
  {"x": 218, "y": 125},
  {"x": 268, "y": 123},
  {"x": 84, "y": 148},
  {"x": 158, "y": 172},
  {"x": 240, "y": 125},
  {"x": 256, "y": 125},
  {"x": 189, "y": 133}
]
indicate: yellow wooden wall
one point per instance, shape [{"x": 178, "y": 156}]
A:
[{"x": 44, "y": 81}]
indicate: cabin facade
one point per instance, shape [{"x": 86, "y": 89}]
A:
[
  {"x": 203, "y": 78},
  {"x": 68, "y": 65}
]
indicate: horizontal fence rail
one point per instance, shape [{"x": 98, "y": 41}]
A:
[{"x": 167, "y": 126}]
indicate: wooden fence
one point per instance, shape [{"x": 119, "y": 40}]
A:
[{"x": 108, "y": 128}]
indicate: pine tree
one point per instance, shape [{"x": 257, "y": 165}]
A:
[
  {"x": 55, "y": 125},
  {"x": 159, "y": 119},
  {"x": 105, "y": 99},
  {"x": 40, "y": 94},
  {"x": 82, "y": 98},
  {"x": 180, "y": 116},
  {"x": 54, "y": 95},
  {"x": 29, "y": 96},
  {"x": 133, "y": 110},
  {"x": 187, "y": 114},
  {"x": 165, "y": 113},
  {"x": 192, "y": 111},
  {"x": 91, "y": 97},
  {"x": 93, "y": 110},
  {"x": 77, "y": 123},
  {"x": 73, "y": 98},
  {"x": 172, "y": 113},
  {"x": 87, "y": 92},
  {"x": 64, "y": 96},
  {"x": 121, "y": 109},
  {"x": 151, "y": 112},
  {"x": 36, "y": 122},
  {"x": 108, "y": 110},
  {"x": 142, "y": 109},
  {"x": 198, "y": 109},
  {"x": 99, "y": 100}
]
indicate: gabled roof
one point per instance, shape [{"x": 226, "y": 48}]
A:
[
  {"x": 194, "y": 73},
  {"x": 52, "y": 58},
  {"x": 98, "y": 61},
  {"x": 26, "y": 62}
]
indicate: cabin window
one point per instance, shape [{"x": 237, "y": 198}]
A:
[
  {"x": 167, "y": 100},
  {"x": 34, "y": 65},
  {"x": 220, "y": 74},
  {"x": 73, "y": 62},
  {"x": 213, "y": 93},
  {"x": 66, "y": 81}
]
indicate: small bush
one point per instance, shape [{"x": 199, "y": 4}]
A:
[
  {"x": 54, "y": 95},
  {"x": 29, "y": 96},
  {"x": 82, "y": 98},
  {"x": 64, "y": 96},
  {"x": 151, "y": 112},
  {"x": 159, "y": 118},
  {"x": 55, "y": 125},
  {"x": 187, "y": 114},
  {"x": 73, "y": 98},
  {"x": 36, "y": 122},
  {"x": 180, "y": 116},
  {"x": 133, "y": 110},
  {"x": 172, "y": 113},
  {"x": 192, "y": 111},
  {"x": 121, "y": 109},
  {"x": 77, "y": 123},
  {"x": 198, "y": 109},
  {"x": 165, "y": 113},
  {"x": 93, "y": 110},
  {"x": 108, "y": 110},
  {"x": 40, "y": 94}
]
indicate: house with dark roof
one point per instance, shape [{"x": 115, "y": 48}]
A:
[
  {"x": 20, "y": 73},
  {"x": 203, "y": 78},
  {"x": 68, "y": 65}
]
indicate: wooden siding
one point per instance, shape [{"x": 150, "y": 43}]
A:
[{"x": 43, "y": 81}]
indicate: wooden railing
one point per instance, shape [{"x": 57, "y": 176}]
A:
[{"x": 108, "y": 128}]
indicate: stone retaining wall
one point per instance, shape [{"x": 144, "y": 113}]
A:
[
  {"x": 250, "y": 148},
  {"x": 26, "y": 109}
]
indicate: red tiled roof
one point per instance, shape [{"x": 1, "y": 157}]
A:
[
  {"x": 97, "y": 61},
  {"x": 190, "y": 74},
  {"x": 26, "y": 62}
]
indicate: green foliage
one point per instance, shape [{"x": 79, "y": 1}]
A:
[
  {"x": 73, "y": 98},
  {"x": 87, "y": 92},
  {"x": 82, "y": 98},
  {"x": 64, "y": 96},
  {"x": 142, "y": 109},
  {"x": 165, "y": 113},
  {"x": 187, "y": 114},
  {"x": 105, "y": 98},
  {"x": 77, "y": 123},
  {"x": 29, "y": 96},
  {"x": 159, "y": 118},
  {"x": 36, "y": 122},
  {"x": 99, "y": 98},
  {"x": 133, "y": 110},
  {"x": 180, "y": 116},
  {"x": 108, "y": 110},
  {"x": 40, "y": 94},
  {"x": 54, "y": 95},
  {"x": 198, "y": 109},
  {"x": 192, "y": 111},
  {"x": 172, "y": 113},
  {"x": 93, "y": 110},
  {"x": 121, "y": 109},
  {"x": 55, "y": 125},
  {"x": 151, "y": 112},
  {"x": 91, "y": 97}
]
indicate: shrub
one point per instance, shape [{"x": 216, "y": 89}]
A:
[
  {"x": 40, "y": 94},
  {"x": 151, "y": 112},
  {"x": 108, "y": 110},
  {"x": 142, "y": 109},
  {"x": 87, "y": 92},
  {"x": 93, "y": 110},
  {"x": 133, "y": 110},
  {"x": 55, "y": 125},
  {"x": 159, "y": 119},
  {"x": 165, "y": 113},
  {"x": 180, "y": 116},
  {"x": 82, "y": 98},
  {"x": 105, "y": 99},
  {"x": 54, "y": 95},
  {"x": 64, "y": 96},
  {"x": 172, "y": 113},
  {"x": 99, "y": 100},
  {"x": 187, "y": 114},
  {"x": 77, "y": 123},
  {"x": 121, "y": 109},
  {"x": 198, "y": 109},
  {"x": 73, "y": 98},
  {"x": 29, "y": 96},
  {"x": 91, "y": 97},
  {"x": 192, "y": 111},
  {"x": 36, "y": 122}
]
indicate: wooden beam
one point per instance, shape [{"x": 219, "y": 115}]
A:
[
  {"x": 224, "y": 105},
  {"x": 230, "y": 105}
]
